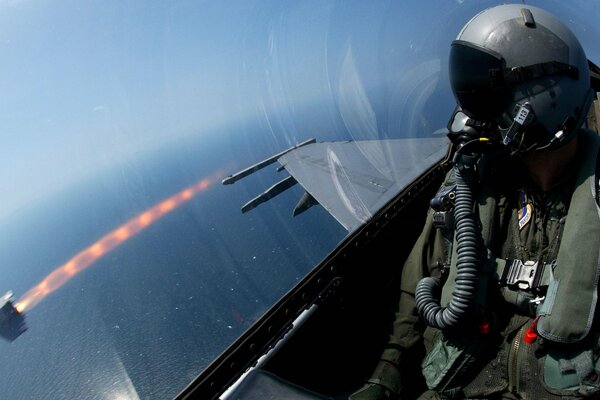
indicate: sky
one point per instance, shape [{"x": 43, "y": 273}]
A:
[
  {"x": 91, "y": 86},
  {"x": 85, "y": 84}
]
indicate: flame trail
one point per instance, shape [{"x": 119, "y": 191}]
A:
[{"x": 108, "y": 242}]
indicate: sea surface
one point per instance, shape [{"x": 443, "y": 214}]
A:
[{"x": 148, "y": 316}]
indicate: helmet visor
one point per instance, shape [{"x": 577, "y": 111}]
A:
[{"x": 470, "y": 69}]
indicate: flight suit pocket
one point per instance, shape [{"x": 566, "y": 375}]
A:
[{"x": 449, "y": 360}]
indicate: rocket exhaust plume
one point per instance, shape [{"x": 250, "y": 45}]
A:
[{"x": 108, "y": 242}]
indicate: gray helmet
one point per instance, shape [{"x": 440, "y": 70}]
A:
[{"x": 513, "y": 60}]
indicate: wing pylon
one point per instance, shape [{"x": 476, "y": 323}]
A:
[{"x": 351, "y": 179}]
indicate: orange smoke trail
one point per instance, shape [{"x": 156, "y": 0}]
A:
[{"x": 108, "y": 242}]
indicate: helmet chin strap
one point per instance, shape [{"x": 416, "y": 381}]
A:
[
  {"x": 523, "y": 117},
  {"x": 514, "y": 135},
  {"x": 464, "y": 130}
]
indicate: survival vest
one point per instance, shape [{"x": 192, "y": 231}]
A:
[{"x": 567, "y": 311}]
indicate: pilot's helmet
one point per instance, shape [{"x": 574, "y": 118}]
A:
[{"x": 513, "y": 54}]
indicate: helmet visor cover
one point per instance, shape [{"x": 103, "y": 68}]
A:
[{"x": 470, "y": 67}]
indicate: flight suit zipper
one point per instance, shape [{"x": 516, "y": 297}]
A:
[{"x": 513, "y": 361}]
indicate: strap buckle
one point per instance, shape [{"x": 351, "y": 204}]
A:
[{"x": 519, "y": 275}]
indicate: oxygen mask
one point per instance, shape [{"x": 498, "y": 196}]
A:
[{"x": 473, "y": 137}]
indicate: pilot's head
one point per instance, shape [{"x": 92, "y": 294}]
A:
[{"x": 516, "y": 58}]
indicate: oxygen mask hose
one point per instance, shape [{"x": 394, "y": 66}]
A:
[{"x": 467, "y": 260}]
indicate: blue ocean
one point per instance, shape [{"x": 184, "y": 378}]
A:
[{"x": 148, "y": 316}]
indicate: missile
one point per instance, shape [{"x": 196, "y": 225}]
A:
[
  {"x": 231, "y": 179},
  {"x": 12, "y": 322}
]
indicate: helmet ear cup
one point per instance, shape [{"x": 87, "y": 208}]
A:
[{"x": 512, "y": 54}]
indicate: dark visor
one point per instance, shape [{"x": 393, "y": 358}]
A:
[{"x": 470, "y": 78}]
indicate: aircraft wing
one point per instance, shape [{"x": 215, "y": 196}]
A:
[{"x": 352, "y": 180}]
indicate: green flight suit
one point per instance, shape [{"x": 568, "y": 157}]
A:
[{"x": 527, "y": 225}]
